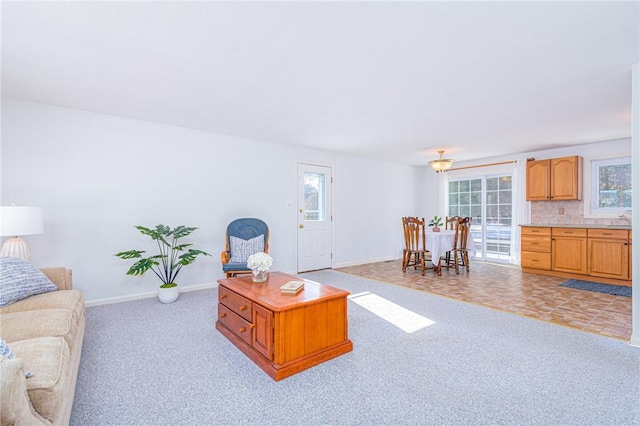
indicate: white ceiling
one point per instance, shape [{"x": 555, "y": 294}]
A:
[{"x": 388, "y": 80}]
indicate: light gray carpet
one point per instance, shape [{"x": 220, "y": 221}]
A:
[{"x": 145, "y": 363}]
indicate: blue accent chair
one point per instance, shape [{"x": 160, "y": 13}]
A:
[{"x": 246, "y": 229}]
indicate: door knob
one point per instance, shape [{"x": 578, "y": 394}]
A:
[{"x": 301, "y": 226}]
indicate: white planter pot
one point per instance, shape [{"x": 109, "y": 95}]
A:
[{"x": 168, "y": 295}]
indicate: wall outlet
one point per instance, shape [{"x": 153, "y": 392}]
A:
[{"x": 561, "y": 211}]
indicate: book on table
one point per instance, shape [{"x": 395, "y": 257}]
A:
[{"x": 292, "y": 286}]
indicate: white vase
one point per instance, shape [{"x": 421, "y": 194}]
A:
[
  {"x": 168, "y": 295},
  {"x": 259, "y": 276}
]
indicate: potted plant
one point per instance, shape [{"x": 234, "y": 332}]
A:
[
  {"x": 168, "y": 262},
  {"x": 436, "y": 222}
]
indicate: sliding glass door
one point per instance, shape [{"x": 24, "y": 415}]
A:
[{"x": 488, "y": 201}]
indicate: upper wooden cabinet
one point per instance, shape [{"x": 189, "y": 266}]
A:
[{"x": 555, "y": 179}]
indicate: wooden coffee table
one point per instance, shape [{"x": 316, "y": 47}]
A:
[{"x": 283, "y": 333}]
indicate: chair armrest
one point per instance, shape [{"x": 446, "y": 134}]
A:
[
  {"x": 60, "y": 276},
  {"x": 224, "y": 257}
]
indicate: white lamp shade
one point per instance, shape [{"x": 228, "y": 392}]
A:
[{"x": 21, "y": 220}]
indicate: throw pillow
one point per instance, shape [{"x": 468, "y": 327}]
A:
[
  {"x": 5, "y": 349},
  {"x": 20, "y": 279},
  {"x": 242, "y": 249}
]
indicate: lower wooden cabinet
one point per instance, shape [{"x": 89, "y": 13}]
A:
[
  {"x": 569, "y": 250},
  {"x": 609, "y": 253},
  {"x": 595, "y": 254},
  {"x": 535, "y": 244}
]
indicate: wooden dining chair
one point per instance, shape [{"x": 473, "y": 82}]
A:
[
  {"x": 451, "y": 224},
  {"x": 415, "y": 252},
  {"x": 460, "y": 254}
]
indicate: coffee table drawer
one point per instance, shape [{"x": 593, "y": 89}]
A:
[
  {"x": 235, "y": 323},
  {"x": 235, "y": 302}
]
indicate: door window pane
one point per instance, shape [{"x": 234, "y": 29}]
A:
[
  {"x": 314, "y": 193},
  {"x": 488, "y": 201}
]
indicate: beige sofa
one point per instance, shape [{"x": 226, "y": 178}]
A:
[{"x": 45, "y": 333}]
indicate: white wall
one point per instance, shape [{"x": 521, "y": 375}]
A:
[{"x": 96, "y": 176}]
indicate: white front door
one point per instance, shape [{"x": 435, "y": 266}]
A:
[{"x": 315, "y": 217}]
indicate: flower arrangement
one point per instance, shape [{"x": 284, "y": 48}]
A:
[{"x": 259, "y": 262}]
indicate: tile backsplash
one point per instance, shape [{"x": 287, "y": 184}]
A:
[{"x": 567, "y": 212}]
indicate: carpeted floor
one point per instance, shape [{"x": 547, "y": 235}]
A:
[{"x": 145, "y": 363}]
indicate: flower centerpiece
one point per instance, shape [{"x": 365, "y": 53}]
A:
[{"x": 259, "y": 264}]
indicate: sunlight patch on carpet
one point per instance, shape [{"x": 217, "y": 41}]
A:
[{"x": 402, "y": 318}]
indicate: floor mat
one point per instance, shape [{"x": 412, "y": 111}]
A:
[{"x": 616, "y": 290}]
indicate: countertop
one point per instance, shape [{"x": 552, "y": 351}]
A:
[{"x": 580, "y": 225}]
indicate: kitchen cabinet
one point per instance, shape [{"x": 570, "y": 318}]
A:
[
  {"x": 609, "y": 253},
  {"x": 592, "y": 254},
  {"x": 554, "y": 179},
  {"x": 569, "y": 250},
  {"x": 536, "y": 248}
]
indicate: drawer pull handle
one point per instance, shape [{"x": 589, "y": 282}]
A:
[
  {"x": 243, "y": 308},
  {"x": 224, "y": 296},
  {"x": 222, "y": 315},
  {"x": 607, "y": 233},
  {"x": 535, "y": 260},
  {"x": 242, "y": 329}
]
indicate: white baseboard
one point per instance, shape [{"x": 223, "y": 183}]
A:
[
  {"x": 147, "y": 295},
  {"x": 364, "y": 262}
]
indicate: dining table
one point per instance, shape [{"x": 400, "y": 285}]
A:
[{"x": 440, "y": 242}]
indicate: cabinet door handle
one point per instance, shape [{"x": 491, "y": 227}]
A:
[{"x": 626, "y": 244}]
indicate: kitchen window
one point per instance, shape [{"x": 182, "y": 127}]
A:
[{"x": 609, "y": 193}]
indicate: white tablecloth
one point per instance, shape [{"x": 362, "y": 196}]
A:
[{"x": 438, "y": 243}]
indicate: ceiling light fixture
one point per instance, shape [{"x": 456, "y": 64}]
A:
[{"x": 441, "y": 164}]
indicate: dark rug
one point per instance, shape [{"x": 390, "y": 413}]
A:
[{"x": 616, "y": 290}]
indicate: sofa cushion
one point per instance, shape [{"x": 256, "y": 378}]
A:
[
  {"x": 241, "y": 249},
  {"x": 21, "y": 279},
  {"x": 49, "y": 359},
  {"x": 18, "y": 326},
  {"x": 64, "y": 299}
]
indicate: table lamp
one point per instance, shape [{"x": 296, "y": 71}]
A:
[{"x": 19, "y": 220}]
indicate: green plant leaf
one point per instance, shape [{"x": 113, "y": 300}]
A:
[
  {"x": 130, "y": 254},
  {"x": 142, "y": 266},
  {"x": 190, "y": 256},
  {"x": 182, "y": 231},
  {"x": 181, "y": 247}
]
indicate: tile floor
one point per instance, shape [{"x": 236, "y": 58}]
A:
[{"x": 508, "y": 289}]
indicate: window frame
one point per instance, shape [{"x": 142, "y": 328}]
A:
[{"x": 591, "y": 187}]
